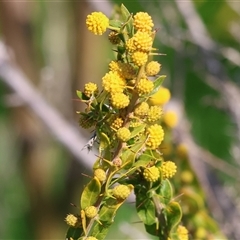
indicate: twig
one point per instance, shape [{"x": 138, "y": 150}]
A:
[{"x": 65, "y": 132}]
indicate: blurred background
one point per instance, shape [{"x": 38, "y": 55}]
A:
[{"x": 46, "y": 54}]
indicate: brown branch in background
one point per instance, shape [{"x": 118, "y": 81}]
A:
[{"x": 65, "y": 132}]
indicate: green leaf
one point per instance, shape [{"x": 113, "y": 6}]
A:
[
  {"x": 90, "y": 193},
  {"x": 129, "y": 155},
  {"x": 165, "y": 191},
  {"x": 157, "y": 83},
  {"x": 74, "y": 233},
  {"x": 79, "y": 94},
  {"x": 115, "y": 23},
  {"x": 174, "y": 214},
  {"x": 125, "y": 13},
  {"x": 137, "y": 130},
  {"x": 145, "y": 209},
  {"x": 106, "y": 217}
]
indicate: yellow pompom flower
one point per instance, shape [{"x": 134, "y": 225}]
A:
[
  {"x": 141, "y": 109},
  {"x": 130, "y": 46},
  {"x": 112, "y": 82},
  {"x": 182, "y": 233},
  {"x": 119, "y": 100},
  {"x": 123, "y": 134},
  {"x": 97, "y": 23},
  {"x": 151, "y": 174},
  {"x": 154, "y": 113},
  {"x": 100, "y": 174},
  {"x": 139, "y": 58},
  {"x": 142, "y": 41},
  {"x": 122, "y": 191},
  {"x": 125, "y": 70},
  {"x": 168, "y": 169},
  {"x": 144, "y": 86},
  {"x": 161, "y": 97},
  {"x": 142, "y": 21},
  {"x": 90, "y": 88},
  {"x": 72, "y": 220},
  {"x": 117, "y": 123},
  {"x": 91, "y": 211},
  {"x": 153, "y": 68},
  {"x": 170, "y": 118},
  {"x": 155, "y": 136},
  {"x": 114, "y": 38}
]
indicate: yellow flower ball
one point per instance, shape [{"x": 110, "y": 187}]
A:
[
  {"x": 155, "y": 136},
  {"x": 139, "y": 58},
  {"x": 91, "y": 211},
  {"x": 144, "y": 86},
  {"x": 142, "y": 41},
  {"x": 119, "y": 100},
  {"x": 151, "y": 174},
  {"x": 123, "y": 134},
  {"x": 168, "y": 169},
  {"x": 142, "y": 21},
  {"x": 154, "y": 114},
  {"x": 90, "y": 88},
  {"x": 182, "y": 233},
  {"x": 153, "y": 68},
  {"x": 117, "y": 123},
  {"x": 112, "y": 82},
  {"x": 141, "y": 109},
  {"x": 122, "y": 191},
  {"x": 161, "y": 97},
  {"x": 170, "y": 118},
  {"x": 97, "y": 23},
  {"x": 100, "y": 174}
]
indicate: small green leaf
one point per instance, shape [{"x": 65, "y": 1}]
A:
[
  {"x": 125, "y": 13},
  {"x": 74, "y": 233},
  {"x": 157, "y": 83},
  {"x": 137, "y": 130},
  {"x": 129, "y": 155},
  {"x": 79, "y": 94},
  {"x": 145, "y": 209},
  {"x": 115, "y": 23},
  {"x": 174, "y": 214},
  {"x": 165, "y": 191},
  {"x": 90, "y": 193}
]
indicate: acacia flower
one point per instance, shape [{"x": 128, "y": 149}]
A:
[
  {"x": 151, "y": 174},
  {"x": 182, "y": 233},
  {"x": 123, "y": 134},
  {"x": 139, "y": 58},
  {"x": 112, "y": 82},
  {"x": 117, "y": 123},
  {"x": 153, "y": 68},
  {"x": 122, "y": 191},
  {"x": 119, "y": 100},
  {"x": 155, "y": 136},
  {"x": 97, "y": 23},
  {"x": 154, "y": 113},
  {"x": 141, "y": 109},
  {"x": 168, "y": 169},
  {"x": 90, "y": 88},
  {"x": 91, "y": 211},
  {"x": 144, "y": 86},
  {"x": 143, "y": 22},
  {"x": 72, "y": 220},
  {"x": 100, "y": 174},
  {"x": 142, "y": 41}
]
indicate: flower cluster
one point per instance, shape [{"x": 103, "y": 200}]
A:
[{"x": 127, "y": 113}]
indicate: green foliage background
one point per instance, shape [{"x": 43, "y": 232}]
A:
[{"x": 39, "y": 177}]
